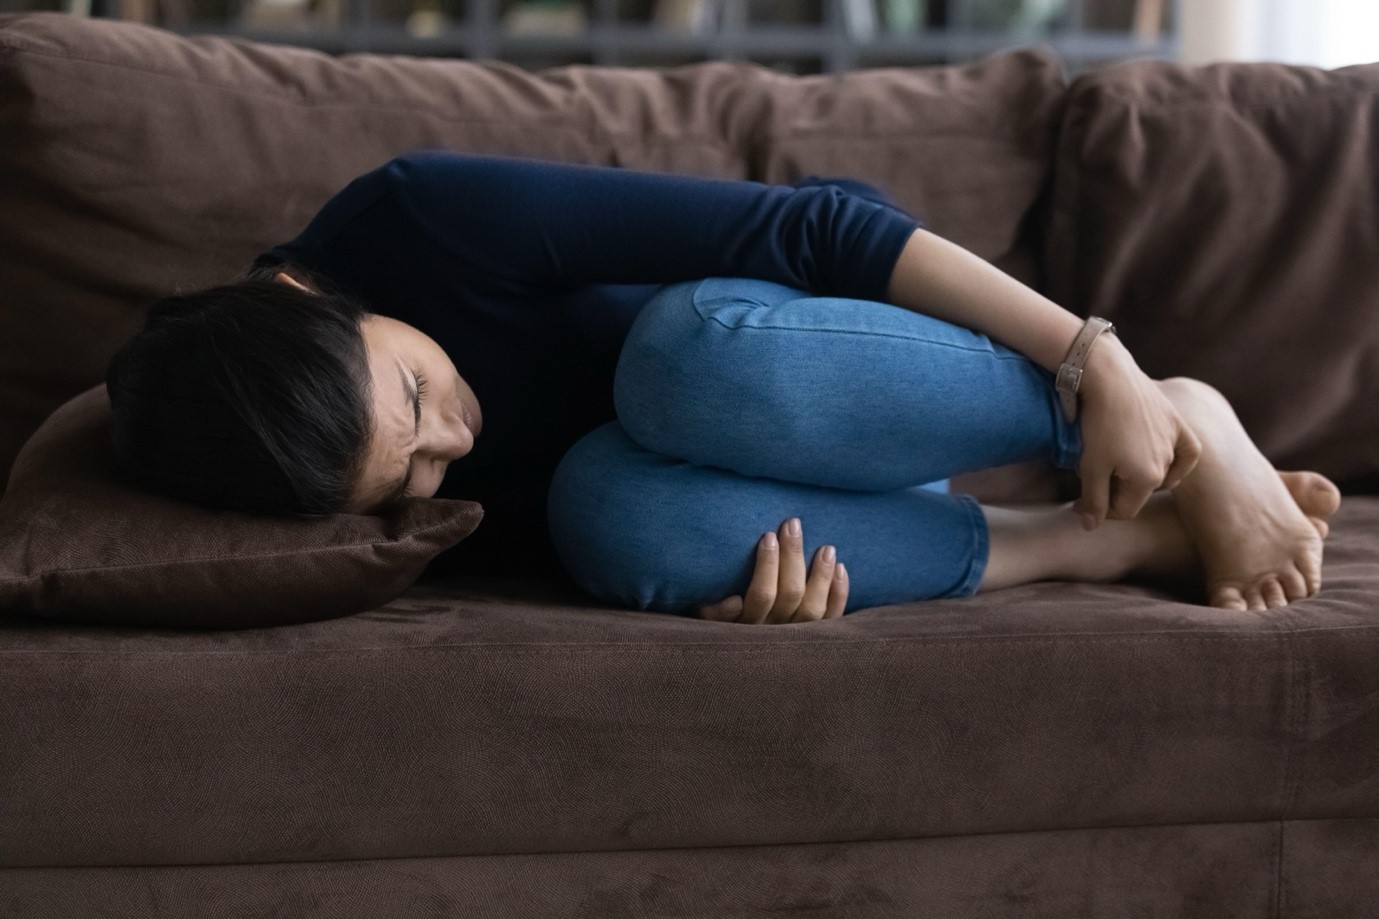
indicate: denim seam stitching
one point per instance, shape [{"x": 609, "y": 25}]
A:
[
  {"x": 698, "y": 301},
  {"x": 927, "y": 341},
  {"x": 975, "y": 569}
]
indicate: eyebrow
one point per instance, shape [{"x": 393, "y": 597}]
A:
[{"x": 410, "y": 392}]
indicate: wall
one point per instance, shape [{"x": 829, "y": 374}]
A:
[{"x": 1323, "y": 33}]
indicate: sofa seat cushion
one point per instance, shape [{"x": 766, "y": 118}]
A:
[
  {"x": 496, "y": 717},
  {"x": 1314, "y": 869}
]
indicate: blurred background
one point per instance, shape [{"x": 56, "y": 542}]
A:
[{"x": 795, "y": 36}]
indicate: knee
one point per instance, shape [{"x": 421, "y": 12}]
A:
[
  {"x": 618, "y": 519},
  {"x": 689, "y": 358},
  {"x": 655, "y": 369}
]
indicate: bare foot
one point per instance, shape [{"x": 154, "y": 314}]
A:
[
  {"x": 1252, "y": 525},
  {"x": 1316, "y": 495}
]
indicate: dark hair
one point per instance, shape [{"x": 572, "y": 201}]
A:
[{"x": 252, "y": 396}]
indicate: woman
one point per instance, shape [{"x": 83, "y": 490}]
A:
[{"x": 638, "y": 373}]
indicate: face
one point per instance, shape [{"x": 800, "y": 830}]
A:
[{"x": 403, "y": 362}]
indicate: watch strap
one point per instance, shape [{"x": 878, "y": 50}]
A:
[{"x": 1070, "y": 372}]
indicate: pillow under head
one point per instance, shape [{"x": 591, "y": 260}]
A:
[{"x": 80, "y": 543}]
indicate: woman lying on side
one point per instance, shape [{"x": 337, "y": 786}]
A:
[{"x": 642, "y": 374}]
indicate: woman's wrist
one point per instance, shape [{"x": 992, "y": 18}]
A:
[{"x": 1108, "y": 359}]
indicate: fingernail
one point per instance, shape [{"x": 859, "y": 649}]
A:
[
  {"x": 793, "y": 526},
  {"x": 829, "y": 554},
  {"x": 1089, "y": 521},
  {"x": 840, "y": 573},
  {"x": 768, "y": 540}
]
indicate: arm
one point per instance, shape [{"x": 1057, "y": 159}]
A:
[
  {"x": 1134, "y": 440},
  {"x": 525, "y": 225},
  {"x": 940, "y": 279}
]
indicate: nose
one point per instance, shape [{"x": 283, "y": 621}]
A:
[{"x": 447, "y": 438}]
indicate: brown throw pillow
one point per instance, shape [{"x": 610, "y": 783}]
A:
[
  {"x": 1224, "y": 217},
  {"x": 78, "y": 543}
]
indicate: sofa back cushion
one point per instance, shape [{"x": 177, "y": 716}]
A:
[
  {"x": 1226, "y": 218},
  {"x": 138, "y": 163}
]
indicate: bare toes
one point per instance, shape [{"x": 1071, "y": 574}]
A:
[
  {"x": 1325, "y": 495},
  {"x": 1228, "y": 598},
  {"x": 1311, "y": 573},
  {"x": 1271, "y": 591},
  {"x": 1322, "y": 526},
  {"x": 1317, "y": 495},
  {"x": 1294, "y": 584},
  {"x": 1253, "y": 601}
]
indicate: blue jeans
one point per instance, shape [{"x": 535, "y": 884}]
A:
[{"x": 743, "y": 402}]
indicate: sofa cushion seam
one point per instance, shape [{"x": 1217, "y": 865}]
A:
[{"x": 884, "y": 840}]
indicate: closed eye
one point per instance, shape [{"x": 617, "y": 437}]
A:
[{"x": 421, "y": 392}]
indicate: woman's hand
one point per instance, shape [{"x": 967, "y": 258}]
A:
[
  {"x": 1133, "y": 440},
  {"x": 779, "y": 591}
]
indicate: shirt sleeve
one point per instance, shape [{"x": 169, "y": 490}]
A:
[{"x": 534, "y": 225}]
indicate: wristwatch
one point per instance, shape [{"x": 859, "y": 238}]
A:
[{"x": 1070, "y": 372}]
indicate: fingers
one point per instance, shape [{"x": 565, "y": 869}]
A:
[
  {"x": 1130, "y": 497},
  {"x": 781, "y": 590},
  {"x": 1096, "y": 495},
  {"x": 761, "y": 593},
  {"x": 815, "y": 602},
  {"x": 790, "y": 586},
  {"x": 1128, "y": 493},
  {"x": 837, "y": 593},
  {"x": 726, "y": 610},
  {"x": 1189, "y": 451}
]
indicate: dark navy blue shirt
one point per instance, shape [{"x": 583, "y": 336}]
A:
[{"x": 529, "y": 273}]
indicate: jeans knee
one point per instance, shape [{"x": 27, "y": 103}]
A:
[
  {"x": 654, "y": 371},
  {"x": 613, "y": 510},
  {"x": 685, "y": 366}
]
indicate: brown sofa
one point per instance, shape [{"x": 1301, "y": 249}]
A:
[{"x": 491, "y": 745}]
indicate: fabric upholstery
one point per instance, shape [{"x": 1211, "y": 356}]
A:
[
  {"x": 471, "y": 718},
  {"x": 138, "y": 162},
  {"x": 1226, "y": 218},
  {"x": 1199, "y": 871},
  {"x": 79, "y": 543}
]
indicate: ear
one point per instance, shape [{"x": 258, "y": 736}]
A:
[{"x": 288, "y": 279}]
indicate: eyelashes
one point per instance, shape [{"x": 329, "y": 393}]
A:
[{"x": 421, "y": 394}]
